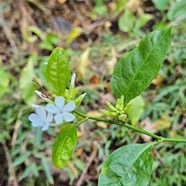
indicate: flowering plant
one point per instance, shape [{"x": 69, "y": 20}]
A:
[{"x": 128, "y": 165}]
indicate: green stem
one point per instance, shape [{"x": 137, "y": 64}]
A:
[{"x": 159, "y": 138}]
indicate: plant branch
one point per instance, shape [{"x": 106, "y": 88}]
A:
[{"x": 159, "y": 138}]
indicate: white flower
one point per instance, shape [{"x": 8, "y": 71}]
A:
[
  {"x": 61, "y": 110},
  {"x": 41, "y": 95},
  {"x": 41, "y": 118}
]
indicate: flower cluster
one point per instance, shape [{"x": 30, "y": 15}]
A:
[
  {"x": 56, "y": 112},
  {"x": 118, "y": 111}
]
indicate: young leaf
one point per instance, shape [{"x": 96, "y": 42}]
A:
[
  {"x": 58, "y": 71},
  {"x": 134, "y": 73},
  {"x": 128, "y": 165},
  {"x": 64, "y": 145}
]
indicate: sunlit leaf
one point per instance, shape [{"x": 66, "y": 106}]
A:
[
  {"x": 58, "y": 71},
  {"x": 26, "y": 85},
  {"x": 135, "y": 109},
  {"x": 64, "y": 145},
  {"x": 82, "y": 63},
  {"x": 143, "y": 20},
  {"x": 120, "y": 5},
  {"x": 128, "y": 165},
  {"x": 134, "y": 72},
  {"x": 126, "y": 21},
  {"x": 74, "y": 34},
  {"x": 49, "y": 42}
]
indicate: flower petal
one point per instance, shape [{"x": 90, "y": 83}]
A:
[
  {"x": 41, "y": 95},
  {"x": 36, "y": 124},
  {"x": 41, "y": 112},
  {"x": 45, "y": 126},
  {"x": 49, "y": 117},
  {"x": 68, "y": 116},
  {"x": 70, "y": 106},
  {"x": 58, "y": 119},
  {"x": 35, "y": 118},
  {"x": 52, "y": 108},
  {"x": 59, "y": 102},
  {"x": 72, "y": 82}
]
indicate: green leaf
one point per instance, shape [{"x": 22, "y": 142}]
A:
[
  {"x": 46, "y": 167},
  {"x": 49, "y": 42},
  {"x": 143, "y": 20},
  {"x": 126, "y": 21},
  {"x": 120, "y": 5},
  {"x": 4, "y": 82},
  {"x": 64, "y": 145},
  {"x": 135, "y": 109},
  {"x": 130, "y": 165},
  {"x": 178, "y": 9},
  {"x": 26, "y": 85},
  {"x": 27, "y": 171},
  {"x": 161, "y": 4},
  {"x": 134, "y": 72},
  {"x": 58, "y": 71},
  {"x": 4, "y": 135},
  {"x": 21, "y": 158}
]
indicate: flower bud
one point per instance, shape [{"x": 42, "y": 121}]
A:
[
  {"x": 106, "y": 112},
  {"x": 122, "y": 117},
  {"x": 79, "y": 99},
  {"x": 110, "y": 106}
]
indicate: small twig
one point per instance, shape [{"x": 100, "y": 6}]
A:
[
  {"x": 91, "y": 158},
  {"x": 12, "y": 178},
  {"x": 16, "y": 128},
  {"x": 14, "y": 136}
]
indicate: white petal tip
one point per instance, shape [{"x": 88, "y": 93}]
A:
[{"x": 41, "y": 95}]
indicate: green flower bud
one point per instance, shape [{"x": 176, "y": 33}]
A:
[
  {"x": 79, "y": 99},
  {"x": 105, "y": 112},
  {"x": 120, "y": 103},
  {"x": 66, "y": 94},
  {"x": 122, "y": 117},
  {"x": 110, "y": 106},
  {"x": 113, "y": 114},
  {"x": 72, "y": 93}
]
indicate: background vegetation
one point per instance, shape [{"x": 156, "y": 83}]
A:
[{"x": 95, "y": 34}]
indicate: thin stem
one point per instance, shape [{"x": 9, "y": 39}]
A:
[{"x": 159, "y": 138}]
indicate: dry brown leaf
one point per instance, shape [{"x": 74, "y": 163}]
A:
[
  {"x": 102, "y": 124},
  {"x": 95, "y": 113},
  {"x": 133, "y": 5},
  {"x": 111, "y": 63},
  {"x": 157, "y": 81},
  {"x": 98, "y": 114},
  {"x": 61, "y": 1},
  {"x": 83, "y": 63}
]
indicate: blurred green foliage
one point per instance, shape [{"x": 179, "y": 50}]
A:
[{"x": 165, "y": 99}]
